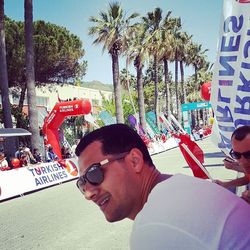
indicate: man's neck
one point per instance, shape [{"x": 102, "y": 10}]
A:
[{"x": 151, "y": 179}]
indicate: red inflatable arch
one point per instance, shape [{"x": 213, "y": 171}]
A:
[{"x": 55, "y": 118}]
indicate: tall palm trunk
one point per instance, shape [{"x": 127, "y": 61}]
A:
[
  {"x": 30, "y": 74},
  {"x": 156, "y": 91},
  {"x": 196, "y": 75},
  {"x": 166, "y": 78},
  {"x": 184, "y": 94},
  {"x": 141, "y": 97},
  {"x": 128, "y": 86},
  {"x": 4, "y": 87},
  {"x": 117, "y": 88}
]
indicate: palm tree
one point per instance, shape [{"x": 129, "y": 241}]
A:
[
  {"x": 197, "y": 58},
  {"x": 184, "y": 44},
  {"x": 138, "y": 53},
  {"x": 167, "y": 55},
  {"x": 4, "y": 85},
  {"x": 176, "y": 45},
  {"x": 152, "y": 23},
  {"x": 110, "y": 29},
  {"x": 30, "y": 75},
  {"x": 126, "y": 79}
]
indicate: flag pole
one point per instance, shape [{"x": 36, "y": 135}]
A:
[{"x": 196, "y": 160}]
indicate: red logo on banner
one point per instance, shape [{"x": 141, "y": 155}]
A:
[{"x": 69, "y": 166}]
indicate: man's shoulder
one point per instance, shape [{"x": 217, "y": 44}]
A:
[
  {"x": 184, "y": 190},
  {"x": 179, "y": 204}
]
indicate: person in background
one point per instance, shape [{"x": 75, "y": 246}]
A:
[
  {"x": 66, "y": 152},
  {"x": 19, "y": 152},
  {"x": 169, "y": 211},
  {"x": 24, "y": 160},
  {"x": 63, "y": 152},
  {"x": 73, "y": 148},
  {"x": 50, "y": 154},
  {"x": 37, "y": 155},
  {"x": 4, "y": 165},
  {"x": 201, "y": 133},
  {"x": 29, "y": 156},
  {"x": 240, "y": 152}
]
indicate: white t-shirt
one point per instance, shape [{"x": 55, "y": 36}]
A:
[{"x": 185, "y": 212}]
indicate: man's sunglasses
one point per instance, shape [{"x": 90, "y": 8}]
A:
[
  {"x": 94, "y": 174},
  {"x": 237, "y": 155}
]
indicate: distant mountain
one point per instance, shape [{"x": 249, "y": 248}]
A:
[{"x": 97, "y": 85}]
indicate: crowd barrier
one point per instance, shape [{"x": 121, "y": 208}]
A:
[
  {"x": 160, "y": 146},
  {"x": 19, "y": 181}
]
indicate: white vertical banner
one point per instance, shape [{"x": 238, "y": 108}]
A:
[{"x": 230, "y": 90}]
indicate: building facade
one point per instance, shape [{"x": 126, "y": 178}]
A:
[{"x": 48, "y": 96}]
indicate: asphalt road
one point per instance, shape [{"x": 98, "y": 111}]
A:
[{"x": 60, "y": 218}]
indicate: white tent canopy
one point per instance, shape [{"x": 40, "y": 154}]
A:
[{"x": 10, "y": 132}]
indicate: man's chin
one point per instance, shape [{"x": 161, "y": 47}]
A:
[{"x": 112, "y": 219}]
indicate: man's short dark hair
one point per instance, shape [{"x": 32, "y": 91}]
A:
[
  {"x": 241, "y": 132},
  {"x": 115, "y": 139}
]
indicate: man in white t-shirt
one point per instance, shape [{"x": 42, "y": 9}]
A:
[{"x": 169, "y": 212}]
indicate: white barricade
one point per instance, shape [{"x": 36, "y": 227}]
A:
[
  {"x": 159, "y": 147},
  {"x": 19, "y": 181}
]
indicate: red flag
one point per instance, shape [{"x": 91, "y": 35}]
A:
[{"x": 185, "y": 145}]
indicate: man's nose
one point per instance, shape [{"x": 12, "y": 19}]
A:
[{"x": 90, "y": 191}]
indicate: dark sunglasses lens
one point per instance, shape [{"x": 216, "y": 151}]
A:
[
  {"x": 80, "y": 183},
  {"x": 235, "y": 155},
  {"x": 246, "y": 154},
  {"x": 94, "y": 175}
]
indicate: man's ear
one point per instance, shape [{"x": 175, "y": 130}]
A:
[{"x": 136, "y": 159}]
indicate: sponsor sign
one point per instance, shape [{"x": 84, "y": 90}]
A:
[
  {"x": 151, "y": 120},
  {"x": 230, "y": 90},
  {"x": 195, "y": 105},
  {"x": 22, "y": 180}
]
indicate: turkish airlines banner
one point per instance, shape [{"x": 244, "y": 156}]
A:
[
  {"x": 19, "y": 181},
  {"x": 230, "y": 91}
]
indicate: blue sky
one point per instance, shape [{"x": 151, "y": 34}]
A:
[{"x": 200, "y": 18}]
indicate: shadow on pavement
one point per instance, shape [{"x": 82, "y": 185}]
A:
[
  {"x": 209, "y": 165},
  {"x": 214, "y": 165},
  {"x": 214, "y": 155}
]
